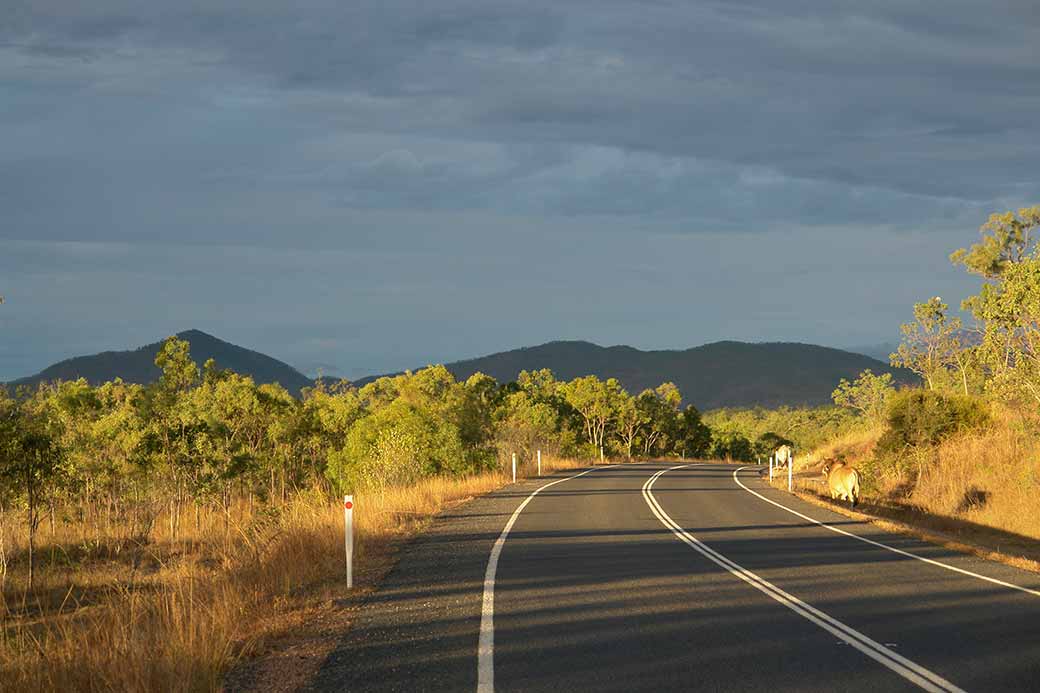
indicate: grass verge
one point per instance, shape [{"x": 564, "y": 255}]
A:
[
  {"x": 974, "y": 492},
  {"x": 174, "y": 613}
]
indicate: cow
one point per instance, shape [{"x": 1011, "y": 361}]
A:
[
  {"x": 843, "y": 481},
  {"x": 783, "y": 456}
]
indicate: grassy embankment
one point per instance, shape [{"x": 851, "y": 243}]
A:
[
  {"x": 113, "y": 612},
  {"x": 977, "y": 487}
]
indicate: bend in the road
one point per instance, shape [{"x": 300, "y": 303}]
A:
[
  {"x": 906, "y": 668},
  {"x": 486, "y": 644},
  {"x": 882, "y": 545}
]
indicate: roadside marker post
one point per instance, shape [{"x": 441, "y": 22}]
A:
[
  {"x": 601, "y": 454},
  {"x": 539, "y": 463},
  {"x": 771, "y": 468},
  {"x": 514, "y": 467},
  {"x": 348, "y": 526},
  {"x": 790, "y": 470}
]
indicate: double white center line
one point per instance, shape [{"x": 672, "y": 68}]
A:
[{"x": 928, "y": 680}]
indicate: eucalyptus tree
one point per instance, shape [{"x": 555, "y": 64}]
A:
[
  {"x": 598, "y": 403},
  {"x": 868, "y": 395},
  {"x": 172, "y": 430},
  {"x": 32, "y": 465},
  {"x": 629, "y": 423},
  {"x": 1008, "y": 304},
  {"x": 660, "y": 408}
]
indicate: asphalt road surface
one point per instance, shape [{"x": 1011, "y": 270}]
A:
[{"x": 661, "y": 577}]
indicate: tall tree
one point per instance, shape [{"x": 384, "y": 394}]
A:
[
  {"x": 597, "y": 402},
  {"x": 630, "y": 419},
  {"x": 33, "y": 465},
  {"x": 1007, "y": 238},
  {"x": 693, "y": 437},
  {"x": 932, "y": 343},
  {"x": 660, "y": 408},
  {"x": 1010, "y": 310},
  {"x": 868, "y": 394}
]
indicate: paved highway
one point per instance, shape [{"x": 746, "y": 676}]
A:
[{"x": 696, "y": 577}]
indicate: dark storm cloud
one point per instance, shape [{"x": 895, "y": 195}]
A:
[{"x": 218, "y": 131}]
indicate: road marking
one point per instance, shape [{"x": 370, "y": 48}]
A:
[
  {"x": 928, "y": 680},
  {"x": 486, "y": 646},
  {"x": 901, "y": 552}
]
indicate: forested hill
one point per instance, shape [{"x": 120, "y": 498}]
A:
[
  {"x": 722, "y": 374},
  {"x": 138, "y": 365}
]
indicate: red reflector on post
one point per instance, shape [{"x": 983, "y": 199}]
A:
[{"x": 348, "y": 505}]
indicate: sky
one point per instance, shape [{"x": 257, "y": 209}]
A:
[{"x": 360, "y": 187}]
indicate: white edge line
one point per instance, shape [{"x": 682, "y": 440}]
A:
[
  {"x": 926, "y": 679},
  {"x": 901, "y": 552},
  {"x": 486, "y": 646}
]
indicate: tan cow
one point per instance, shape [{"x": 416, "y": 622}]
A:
[
  {"x": 783, "y": 455},
  {"x": 843, "y": 481}
]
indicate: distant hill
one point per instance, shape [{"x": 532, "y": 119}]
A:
[
  {"x": 878, "y": 351},
  {"x": 138, "y": 366},
  {"x": 722, "y": 374}
]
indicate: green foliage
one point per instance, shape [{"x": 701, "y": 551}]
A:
[
  {"x": 1007, "y": 238},
  {"x": 767, "y": 443},
  {"x": 918, "y": 418},
  {"x": 692, "y": 435},
  {"x": 397, "y": 444},
  {"x": 659, "y": 408},
  {"x": 867, "y": 395},
  {"x": 806, "y": 428},
  {"x": 934, "y": 346},
  {"x": 533, "y": 415},
  {"x": 179, "y": 372},
  {"x": 1010, "y": 351},
  {"x": 597, "y": 401},
  {"x": 1006, "y": 365},
  {"x": 730, "y": 445}
]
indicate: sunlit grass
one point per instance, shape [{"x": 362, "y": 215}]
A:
[
  {"x": 989, "y": 477},
  {"x": 109, "y": 614}
]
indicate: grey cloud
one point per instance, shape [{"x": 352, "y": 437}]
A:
[{"x": 379, "y": 170}]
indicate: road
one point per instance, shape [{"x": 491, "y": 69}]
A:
[{"x": 661, "y": 577}]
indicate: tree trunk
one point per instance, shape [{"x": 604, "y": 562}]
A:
[
  {"x": 3, "y": 566},
  {"x": 31, "y": 498},
  {"x": 175, "y": 510}
]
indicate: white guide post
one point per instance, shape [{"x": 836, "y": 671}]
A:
[
  {"x": 770, "y": 467},
  {"x": 348, "y": 526},
  {"x": 790, "y": 470},
  {"x": 539, "y": 463},
  {"x": 514, "y": 467},
  {"x": 601, "y": 454}
]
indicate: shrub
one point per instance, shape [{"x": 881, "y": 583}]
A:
[
  {"x": 919, "y": 418},
  {"x": 730, "y": 445},
  {"x": 397, "y": 445},
  {"x": 768, "y": 442}
]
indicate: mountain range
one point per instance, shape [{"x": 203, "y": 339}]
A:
[
  {"x": 721, "y": 374},
  {"x": 138, "y": 365}
]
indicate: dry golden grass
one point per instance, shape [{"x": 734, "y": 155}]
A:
[
  {"x": 978, "y": 488},
  {"x": 854, "y": 446},
  {"x": 169, "y": 615},
  {"x": 990, "y": 478}
]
